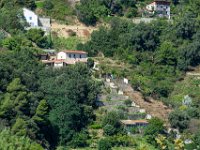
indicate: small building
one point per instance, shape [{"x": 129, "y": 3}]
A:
[
  {"x": 72, "y": 55},
  {"x": 160, "y": 8},
  {"x": 134, "y": 123},
  {"x": 64, "y": 58},
  {"x": 35, "y": 21},
  {"x": 44, "y": 56},
  {"x": 31, "y": 17}
]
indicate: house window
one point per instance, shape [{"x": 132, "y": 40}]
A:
[
  {"x": 69, "y": 55},
  {"x": 74, "y": 55},
  {"x": 30, "y": 18},
  {"x": 80, "y": 55}
]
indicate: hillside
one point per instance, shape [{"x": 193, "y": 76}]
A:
[{"x": 137, "y": 88}]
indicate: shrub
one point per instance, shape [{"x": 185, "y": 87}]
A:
[
  {"x": 12, "y": 142},
  {"x": 154, "y": 128},
  {"x": 128, "y": 102},
  {"x": 79, "y": 140},
  {"x": 90, "y": 63},
  {"x": 104, "y": 144},
  {"x": 109, "y": 130},
  {"x": 48, "y": 5},
  {"x": 179, "y": 119},
  {"x": 96, "y": 126}
]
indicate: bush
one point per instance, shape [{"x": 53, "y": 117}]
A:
[
  {"x": 128, "y": 102},
  {"x": 154, "y": 128},
  {"x": 48, "y": 5},
  {"x": 38, "y": 37},
  {"x": 80, "y": 140},
  {"x": 96, "y": 126},
  {"x": 109, "y": 130},
  {"x": 12, "y": 142},
  {"x": 90, "y": 63},
  {"x": 104, "y": 144},
  {"x": 179, "y": 119}
]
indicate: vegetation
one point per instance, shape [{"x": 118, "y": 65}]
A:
[
  {"x": 13, "y": 142},
  {"x": 57, "y": 9},
  {"x": 45, "y": 108},
  {"x": 91, "y": 11},
  {"x": 66, "y": 43}
]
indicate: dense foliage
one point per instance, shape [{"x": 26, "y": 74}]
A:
[
  {"x": 14, "y": 142},
  {"x": 49, "y": 106},
  {"x": 91, "y": 11},
  {"x": 42, "y": 107}
]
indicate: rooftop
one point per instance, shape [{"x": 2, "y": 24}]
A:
[
  {"x": 162, "y": 1},
  {"x": 74, "y": 52},
  {"x": 133, "y": 122}
]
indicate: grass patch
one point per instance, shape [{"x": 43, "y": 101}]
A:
[
  {"x": 66, "y": 43},
  {"x": 39, "y": 4},
  {"x": 189, "y": 86},
  {"x": 61, "y": 10}
]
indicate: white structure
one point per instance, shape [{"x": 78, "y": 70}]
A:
[
  {"x": 125, "y": 80},
  {"x": 160, "y": 7},
  {"x": 67, "y": 57},
  {"x": 35, "y": 21},
  {"x": 31, "y": 17},
  {"x": 72, "y": 55},
  {"x": 187, "y": 100}
]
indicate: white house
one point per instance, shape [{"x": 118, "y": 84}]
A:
[
  {"x": 31, "y": 17},
  {"x": 67, "y": 57},
  {"x": 35, "y": 21},
  {"x": 160, "y": 7},
  {"x": 72, "y": 55}
]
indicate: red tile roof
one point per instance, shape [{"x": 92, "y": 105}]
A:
[{"x": 74, "y": 52}]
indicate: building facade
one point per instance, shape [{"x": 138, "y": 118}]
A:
[
  {"x": 72, "y": 55},
  {"x": 64, "y": 58},
  {"x": 160, "y": 8},
  {"x": 35, "y": 21},
  {"x": 31, "y": 17}
]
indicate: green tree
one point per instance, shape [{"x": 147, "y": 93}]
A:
[
  {"x": 111, "y": 123},
  {"x": 48, "y": 5},
  {"x": 167, "y": 54},
  {"x": 10, "y": 141},
  {"x": 80, "y": 140},
  {"x": 27, "y": 3},
  {"x": 41, "y": 113},
  {"x": 20, "y": 127},
  {"x": 38, "y": 36},
  {"x": 179, "y": 119},
  {"x": 15, "y": 101},
  {"x": 154, "y": 128}
]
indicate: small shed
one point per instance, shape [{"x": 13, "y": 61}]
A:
[{"x": 134, "y": 123}]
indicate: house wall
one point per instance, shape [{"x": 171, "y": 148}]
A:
[
  {"x": 31, "y": 17},
  {"x": 68, "y": 56},
  {"x": 159, "y": 7},
  {"x": 58, "y": 64},
  {"x": 45, "y": 22},
  {"x": 61, "y": 55},
  {"x": 76, "y": 56}
]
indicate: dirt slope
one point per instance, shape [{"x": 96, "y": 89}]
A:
[
  {"x": 152, "y": 107},
  {"x": 64, "y": 30}
]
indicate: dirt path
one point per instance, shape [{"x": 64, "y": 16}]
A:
[
  {"x": 154, "y": 107},
  {"x": 64, "y": 30}
]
